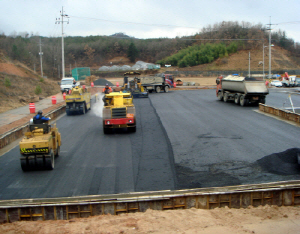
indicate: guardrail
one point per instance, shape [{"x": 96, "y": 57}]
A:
[
  {"x": 285, "y": 114},
  {"x": 18, "y": 132},
  {"x": 286, "y": 193}
]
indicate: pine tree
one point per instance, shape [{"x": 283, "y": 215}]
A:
[{"x": 132, "y": 52}]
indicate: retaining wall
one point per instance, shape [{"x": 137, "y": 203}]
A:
[{"x": 278, "y": 193}]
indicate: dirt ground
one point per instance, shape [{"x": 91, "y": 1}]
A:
[
  {"x": 18, "y": 86},
  {"x": 260, "y": 220}
]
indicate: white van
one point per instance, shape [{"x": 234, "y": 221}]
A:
[{"x": 66, "y": 84}]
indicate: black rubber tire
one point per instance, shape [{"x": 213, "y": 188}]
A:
[
  {"x": 57, "y": 153},
  {"x": 32, "y": 164},
  {"x": 237, "y": 99},
  {"x": 243, "y": 101},
  {"x": 262, "y": 100},
  {"x": 83, "y": 109},
  {"x": 157, "y": 89},
  {"x": 68, "y": 112},
  {"x": 166, "y": 89},
  {"x": 225, "y": 98},
  {"x": 150, "y": 91},
  {"x": 90, "y": 104},
  {"x": 132, "y": 129},
  {"x": 25, "y": 165},
  {"x": 49, "y": 162},
  {"x": 220, "y": 96},
  {"x": 107, "y": 130}
]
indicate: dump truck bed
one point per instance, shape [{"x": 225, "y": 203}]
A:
[{"x": 244, "y": 85}]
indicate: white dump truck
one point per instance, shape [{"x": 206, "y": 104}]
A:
[{"x": 241, "y": 90}]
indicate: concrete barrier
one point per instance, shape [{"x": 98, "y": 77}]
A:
[
  {"x": 18, "y": 132},
  {"x": 285, "y": 114}
]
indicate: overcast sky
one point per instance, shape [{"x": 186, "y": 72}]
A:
[{"x": 143, "y": 18}]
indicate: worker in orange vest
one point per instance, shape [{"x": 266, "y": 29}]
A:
[{"x": 107, "y": 89}]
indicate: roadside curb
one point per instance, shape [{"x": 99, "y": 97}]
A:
[{"x": 285, "y": 114}]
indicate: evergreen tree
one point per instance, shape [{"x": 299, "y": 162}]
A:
[{"x": 132, "y": 52}]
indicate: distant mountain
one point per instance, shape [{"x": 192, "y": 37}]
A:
[{"x": 120, "y": 35}]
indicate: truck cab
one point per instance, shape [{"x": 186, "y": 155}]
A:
[{"x": 66, "y": 84}]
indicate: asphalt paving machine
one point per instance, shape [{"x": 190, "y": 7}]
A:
[
  {"x": 118, "y": 112},
  {"x": 132, "y": 84},
  {"x": 39, "y": 147},
  {"x": 78, "y": 101}
]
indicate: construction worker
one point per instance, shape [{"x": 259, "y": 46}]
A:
[
  {"x": 39, "y": 118},
  {"x": 107, "y": 89}
]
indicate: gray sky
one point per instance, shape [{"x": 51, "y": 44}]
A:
[{"x": 143, "y": 19}]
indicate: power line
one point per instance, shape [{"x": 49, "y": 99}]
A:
[{"x": 127, "y": 22}]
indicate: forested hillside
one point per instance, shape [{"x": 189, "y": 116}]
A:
[{"x": 96, "y": 51}]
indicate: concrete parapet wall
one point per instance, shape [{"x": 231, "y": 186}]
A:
[
  {"x": 286, "y": 193},
  {"x": 285, "y": 114},
  {"x": 16, "y": 133}
]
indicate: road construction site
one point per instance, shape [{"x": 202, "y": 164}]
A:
[{"x": 184, "y": 140}]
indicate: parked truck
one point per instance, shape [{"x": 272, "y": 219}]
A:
[
  {"x": 241, "y": 90},
  {"x": 289, "y": 81},
  {"x": 158, "y": 83}
]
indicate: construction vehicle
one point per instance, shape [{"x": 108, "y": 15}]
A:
[
  {"x": 157, "y": 83},
  {"x": 118, "y": 112},
  {"x": 241, "y": 90},
  {"x": 132, "y": 84},
  {"x": 78, "y": 101},
  {"x": 39, "y": 147},
  {"x": 288, "y": 81}
]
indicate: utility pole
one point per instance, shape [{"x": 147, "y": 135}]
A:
[
  {"x": 62, "y": 39},
  {"x": 41, "y": 59},
  {"x": 270, "y": 29},
  {"x": 249, "y": 65}
]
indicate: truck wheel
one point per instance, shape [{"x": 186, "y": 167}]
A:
[
  {"x": 225, "y": 98},
  {"x": 243, "y": 101},
  {"x": 49, "y": 161},
  {"x": 166, "y": 89},
  {"x": 220, "y": 96},
  {"x": 90, "y": 104},
  {"x": 68, "y": 112},
  {"x": 157, "y": 89},
  {"x": 237, "y": 99}
]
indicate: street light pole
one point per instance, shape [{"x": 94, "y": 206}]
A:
[{"x": 270, "y": 50}]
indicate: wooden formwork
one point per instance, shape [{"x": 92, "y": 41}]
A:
[{"x": 278, "y": 193}]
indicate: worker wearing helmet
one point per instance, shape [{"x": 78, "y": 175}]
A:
[
  {"x": 107, "y": 89},
  {"x": 39, "y": 118}
]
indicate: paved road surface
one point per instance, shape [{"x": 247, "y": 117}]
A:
[
  {"x": 91, "y": 163},
  {"x": 184, "y": 139},
  {"x": 218, "y": 144}
]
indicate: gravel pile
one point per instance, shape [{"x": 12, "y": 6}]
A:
[
  {"x": 283, "y": 163},
  {"x": 102, "y": 82}
]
